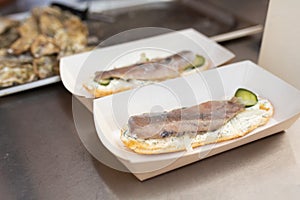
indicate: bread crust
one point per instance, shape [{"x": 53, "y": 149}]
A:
[{"x": 97, "y": 93}]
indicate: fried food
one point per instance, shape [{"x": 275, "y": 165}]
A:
[
  {"x": 12, "y": 72},
  {"x": 44, "y": 66},
  {"x": 30, "y": 49},
  {"x": 6, "y": 24},
  {"x": 43, "y": 46}
]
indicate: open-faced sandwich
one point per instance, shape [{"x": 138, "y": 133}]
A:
[
  {"x": 206, "y": 123},
  {"x": 145, "y": 72}
]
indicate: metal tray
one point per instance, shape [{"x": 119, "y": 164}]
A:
[{"x": 176, "y": 15}]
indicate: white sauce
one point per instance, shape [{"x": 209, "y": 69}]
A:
[{"x": 116, "y": 84}]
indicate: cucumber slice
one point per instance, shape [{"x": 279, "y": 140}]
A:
[
  {"x": 197, "y": 62},
  {"x": 246, "y": 97},
  {"x": 104, "y": 82},
  {"x": 143, "y": 58}
]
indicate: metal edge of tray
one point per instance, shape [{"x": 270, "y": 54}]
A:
[{"x": 28, "y": 86}]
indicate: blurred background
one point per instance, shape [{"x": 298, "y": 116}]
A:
[{"x": 109, "y": 17}]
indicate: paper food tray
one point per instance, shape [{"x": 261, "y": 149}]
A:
[
  {"x": 77, "y": 69},
  {"x": 112, "y": 112}
]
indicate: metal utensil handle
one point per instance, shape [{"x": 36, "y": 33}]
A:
[{"x": 82, "y": 14}]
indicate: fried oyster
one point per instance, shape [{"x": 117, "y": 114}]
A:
[
  {"x": 43, "y": 46},
  {"x": 30, "y": 49},
  {"x": 45, "y": 66},
  {"x": 12, "y": 72},
  {"x": 8, "y": 32},
  {"x": 28, "y": 32}
]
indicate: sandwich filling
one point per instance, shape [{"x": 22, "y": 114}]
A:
[
  {"x": 158, "y": 69},
  {"x": 208, "y": 116},
  {"x": 184, "y": 129},
  {"x": 145, "y": 72}
]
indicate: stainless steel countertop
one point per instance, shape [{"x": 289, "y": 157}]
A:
[{"x": 42, "y": 156}]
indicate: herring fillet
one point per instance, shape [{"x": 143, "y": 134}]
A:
[
  {"x": 208, "y": 116},
  {"x": 154, "y": 70}
]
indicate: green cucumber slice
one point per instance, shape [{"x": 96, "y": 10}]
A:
[
  {"x": 104, "y": 82},
  {"x": 246, "y": 97},
  {"x": 197, "y": 62}
]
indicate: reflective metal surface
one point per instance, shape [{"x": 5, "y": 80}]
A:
[{"x": 41, "y": 156}]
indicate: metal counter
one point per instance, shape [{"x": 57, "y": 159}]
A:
[{"x": 42, "y": 157}]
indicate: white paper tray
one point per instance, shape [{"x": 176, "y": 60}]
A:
[
  {"x": 112, "y": 112},
  {"x": 77, "y": 69}
]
